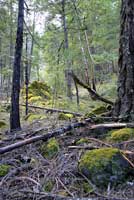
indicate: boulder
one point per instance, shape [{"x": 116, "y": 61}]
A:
[{"x": 103, "y": 166}]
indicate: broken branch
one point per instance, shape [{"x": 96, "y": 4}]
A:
[{"x": 92, "y": 92}]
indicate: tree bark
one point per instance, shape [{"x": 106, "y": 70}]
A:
[
  {"x": 15, "y": 114},
  {"x": 26, "y": 75},
  {"x": 124, "y": 105},
  {"x": 66, "y": 47}
]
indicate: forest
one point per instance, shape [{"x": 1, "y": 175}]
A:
[{"x": 66, "y": 100}]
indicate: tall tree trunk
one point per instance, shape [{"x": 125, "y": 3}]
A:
[
  {"x": 124, "y": 105},
  {"x": 15, "y": 114},
  {"x": 66, "y": 47}
]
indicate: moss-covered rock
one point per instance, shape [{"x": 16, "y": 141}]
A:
[
  {"x": 38, "y": 92},
  {"x": 50, "y": 149},
  {"x": 38, "y": 88},
  {"x": 4, "y": 169},
  {"x": 104, "y": 165},
  {"x": 122, "y": 134},
  {"x": 97, "y": 111},
  {"x": 63, "y": 116},
  {"x": 2, "y": 124}
]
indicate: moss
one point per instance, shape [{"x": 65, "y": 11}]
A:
[
  {"x": 31, "y": 117},
  {"x": 50, "y": 149},
  {"x": 96, "y": 111},
  {"x": 38, "y": 91},
  {"x": 122, "y": 134},
  {"x": 63, "y": 116},
  {"x": 48, "y": 186},
  {"x": 82, "y": 141},
  {"x": 90, "y": 114},
  {"x": 99, "y": 110},
  {"x": 33, "y": 99},
  {"x": 4, "y": 169},
  {"x": 38, "y": 88},
  {"x": 87, "y": 187},
  {"x": 2, "y": 124},
  {"x": 104, "y": 165}
]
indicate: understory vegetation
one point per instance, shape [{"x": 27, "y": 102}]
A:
[{"x": 66, "y": 100}]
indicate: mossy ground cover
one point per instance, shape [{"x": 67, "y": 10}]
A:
[
  {"x": 55, "y": 164},
  {"x": 4, "y": 169},
  {"x": 103, "y": 166},
  {"x": 121, "y": 135},
  {"x": 50, "y": 149}
]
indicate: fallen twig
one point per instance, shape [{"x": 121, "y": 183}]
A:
[{"x": 54, "y": 110}]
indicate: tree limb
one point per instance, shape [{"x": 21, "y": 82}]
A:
[
  {"x": 54, "y": 110},
  {"x": 61, "y": 131},
  {"x": 92, "y": 92}
]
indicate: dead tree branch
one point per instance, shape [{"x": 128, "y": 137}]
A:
[
  {"x": 92, "y": 92},
  {"x": 54, "y": 110},
  {"x": 61, "y": 131}
]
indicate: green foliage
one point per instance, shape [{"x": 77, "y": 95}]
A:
[
  {"x": 122, "y": 135},
  {"x": 63, "y": 116},
  {"x": 4, "y": 169},
  {"x": 104, "y": 165},
  {"x": 50, "y": 149}
]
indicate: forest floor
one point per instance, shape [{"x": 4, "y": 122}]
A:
[{"x": 32, "y": 176}]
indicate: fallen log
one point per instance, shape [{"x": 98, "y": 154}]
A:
[
  {"x": 92, "y": 92},
  {"x": 53, "y": 110},
  {"x": 61, "y": 131},
  {"x": 44, "y": 137}
]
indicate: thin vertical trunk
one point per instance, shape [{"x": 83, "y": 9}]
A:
[
  {"x": 85, "y": 61},
  {"x": 1, "y": 68},
  {"x": 11, "y": 49},
  {"x": 32, "y": 47},
  {"x": 26, "y": 75},
  {"x": 66, "y": 47},
  {"x": 77, "y": 93},
  {"x": 91, "y": 62},
  {"x": 15, "y": 114}
]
